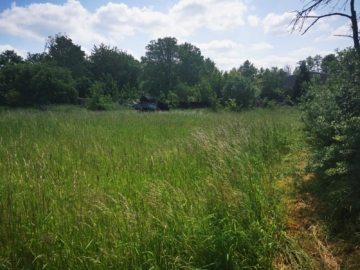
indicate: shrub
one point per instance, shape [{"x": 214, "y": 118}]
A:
[
  {"x": 240, "y": 89},
  {"x": 99, "y": 101},
  {"x": 331, "y": 114},
  {"x": 53, "y": 85},
  {"x": 28, "y": 84},
  {"x": 231, "y": 105},
  {"x": 173, "y": 99}
]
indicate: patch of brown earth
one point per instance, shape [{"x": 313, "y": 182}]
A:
[{"x": 306, "y": 227}]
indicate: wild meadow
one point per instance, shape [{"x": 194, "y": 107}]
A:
[{"x": 128, "y": 190}]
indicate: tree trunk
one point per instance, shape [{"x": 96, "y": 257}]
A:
[{"x": 354, "y": 27}]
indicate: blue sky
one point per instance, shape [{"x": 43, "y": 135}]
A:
[{"x": 227, "y": 31}]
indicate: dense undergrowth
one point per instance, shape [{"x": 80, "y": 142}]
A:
[{"x": 124, "y": 190}]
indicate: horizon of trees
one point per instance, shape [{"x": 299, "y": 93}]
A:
[{"x": 170, "y": 71}]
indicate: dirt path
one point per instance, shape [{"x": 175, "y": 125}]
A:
[{"x": 306, "y": 226}]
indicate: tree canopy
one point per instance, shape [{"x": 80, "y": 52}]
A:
[{"x": 10, "y": 57}]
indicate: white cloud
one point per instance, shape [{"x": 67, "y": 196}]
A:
[
  {"x": 218, "y": 49},
  {"x": 277, "y": 25},
  {"x": 228, "y": 54},
  {"x": 113, "y": 22},
  {"x": 253, "y": 20},
  {"x": 308, "y": 51},
  {"x": 215, "y": 15},
  {"x": 274, "y": 61},
  {"x": 303, "y": 51},
  {"x": 333, "y": 35},
  {"x": 41, "y": 20},
  {"x": 219, "y": 46},
  {"x": 260, "y": 46},
  {"x": 20, "y": 52},
  {"x": 225, "y": 53}
]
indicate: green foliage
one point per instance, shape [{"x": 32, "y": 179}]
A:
[
  {"x": 241, "y": 89},
  {"x": 82, "y": 86},
  {"x": 331, "y": 115},
  {"x": 11, "y": 97},
  {"x": 15, "y": 84},
  {"x": 121, "y": 66},
  {"x": 180, "y": 68},
  {"x": 53, "y": 85},
  {"x": 230, "y": 105},
  {"x": 29, "y": 84},
  {"x": 110, "y": 87},
  {"x": 66, "y": 54},
  {"x": 314, "y": 63},
  {"x": 215, "y": 102},
  {"x": 99, "y": 100},
  {"x": 327, "y": 62},
  {"x": 36, "y": 57},
  {"x": 271, "y": 104},
  {"x": 186, "y": 93},
  {"x": 10, "y": 57},
  {"x": 248, "y": 70},
  {"x": 301, "y": 82},
  {"x": 173, "y": 99},
  {"x": 128, "y": 93},
  {"x": 159, "y": 66},
  {"x": 272, "y": 84},
  {"x": 212, "y": 82},
  {"x": 191, "y": 64}
]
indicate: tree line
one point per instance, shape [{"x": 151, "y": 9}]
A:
[{"x": 173, "y": 72}]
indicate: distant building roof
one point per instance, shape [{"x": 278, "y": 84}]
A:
[{"x": 290, "y": 80}]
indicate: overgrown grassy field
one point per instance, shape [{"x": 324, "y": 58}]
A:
[{"x": 128, "y": 190}]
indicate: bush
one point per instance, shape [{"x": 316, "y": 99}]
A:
[
  {"x": 29, "y": 84},
  {"x": 99, "y": 101},
  {"x": 15, "y": 81},
  {"x": 331, "y": 114},
  {"x": 240, "y": 89},
  {"x": 173, "y": 99},
  {"x": 53, "y": 85},
  {"x": 231, "y": 106}
]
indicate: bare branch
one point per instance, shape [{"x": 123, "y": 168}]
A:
[
  {"x": 344, "y": 36},
  {"x": 299, "y": 17},
  {"x": 298, "y": 23}
]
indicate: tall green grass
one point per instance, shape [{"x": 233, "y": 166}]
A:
[{"x": 124, "y": 190}]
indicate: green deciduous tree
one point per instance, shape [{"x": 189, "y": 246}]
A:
[
  {"x": 83, "y": 85},
  {"x": 159, "y": 66},
  {"x": 14, "y": 84},
  {"x": 301, "y": 82},
  {"x": 241, "y": 89},
  {"x": 28, "y": 84},
  {"x": 327, "y": 62},
  {"x": 313, "y": 63},
  {"x": 121, "y": 66},
  {"x": 209, "y": 84},
  {"x": 186, "y": 92},
  {"x": 53, "y": 84},
  {"x": 272, "y": 84},
  {"x": 248, "y": 70},
  {"x": 190, "y": 64},
  {"x": 10, "y": 57},
  {"x": 168, "y": 66},
  {"x": 36, "y": 57},
  {"x": 66, "y": 54}
]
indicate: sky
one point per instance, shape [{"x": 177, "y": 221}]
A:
[{"x": 227, "y": 31}]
